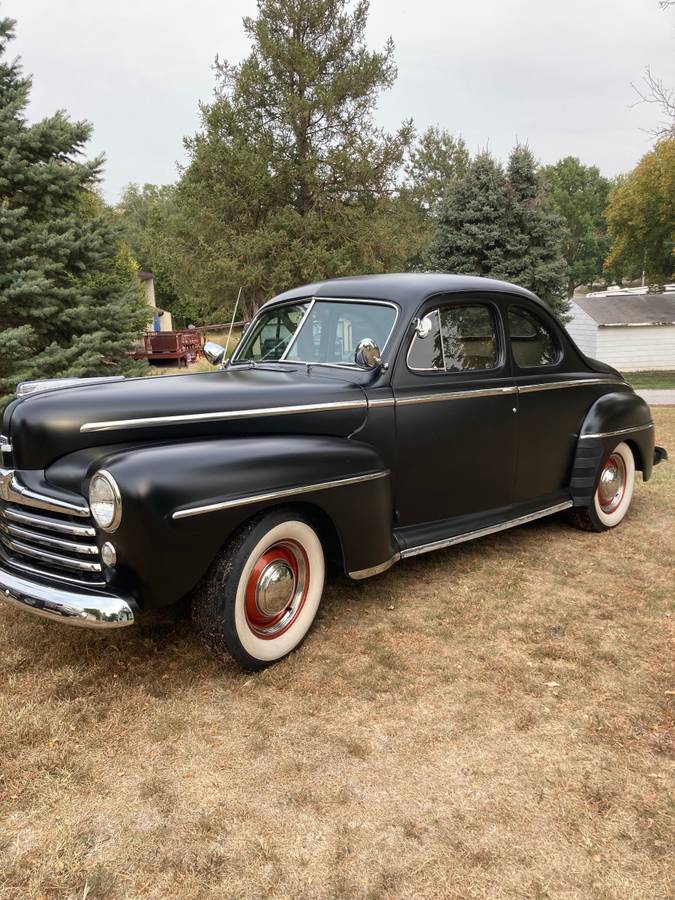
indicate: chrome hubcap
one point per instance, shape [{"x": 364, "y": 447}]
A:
[
  {"x": 275, "y": 589},
  {"x": 612, "y": 484}
]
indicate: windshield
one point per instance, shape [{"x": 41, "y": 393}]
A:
[{"x": 316, "y": 331}]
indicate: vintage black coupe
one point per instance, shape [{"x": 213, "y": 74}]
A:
[{"x": 359, "y": 422}]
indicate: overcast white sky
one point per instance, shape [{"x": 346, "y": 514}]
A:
[{"x": 554, "y": 73}]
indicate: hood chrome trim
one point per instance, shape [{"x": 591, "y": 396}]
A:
[
  {"x": 225, "y": 416},
  {"x": 28, "y": 388},
  {"x": 275, "y": 495}
]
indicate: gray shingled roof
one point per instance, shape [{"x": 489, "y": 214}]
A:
[{"x": 630, "y": 309}]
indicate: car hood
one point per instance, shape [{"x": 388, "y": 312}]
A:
[{"x": 46, "y": 426}]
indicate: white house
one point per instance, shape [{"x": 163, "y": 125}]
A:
[{"x": 632, "y": 332}]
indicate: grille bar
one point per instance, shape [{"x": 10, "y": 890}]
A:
[
  {"x": 46, "y": 535},
  {"x": 28, "y": 518},
  {"x": 65, "y": 562},
  {"x": 47, "y": 541}
]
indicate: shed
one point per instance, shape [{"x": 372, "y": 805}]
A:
[{"x": 632, "y": 332}]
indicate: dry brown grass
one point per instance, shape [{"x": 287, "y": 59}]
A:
[{"x": 490, "y": 721}]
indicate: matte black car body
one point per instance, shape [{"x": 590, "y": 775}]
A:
[{"x": 388, "y": 462}]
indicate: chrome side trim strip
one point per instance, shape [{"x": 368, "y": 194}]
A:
[
  {"x": 72, "y": 607},
  {"x": 457, "y": 395},
  {"x": 66, "y": 562},
  {"x": 557, "y": 385},
  {"x": 12, "y": 491},
  {"x": 605, "y": 434},
  {"x": 375, "y": 570},
  {"x": 26, "y": 518},
  {"x": 26, "y": 534},
  {"x": 481, "y": 532},
  {"x": 275, "y": 495},
  {"x": 384, "y": 401},
  {"x": 222, "y": 416}
]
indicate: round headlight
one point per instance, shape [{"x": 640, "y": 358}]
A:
[{"x": 105, "y": 501}]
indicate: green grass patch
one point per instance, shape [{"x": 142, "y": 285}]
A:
[{"x": 645, "y": 380}]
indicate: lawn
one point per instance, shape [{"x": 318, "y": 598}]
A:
[
  {"x": 494, "y": 720},
  {"x": 645, "y": 380}
]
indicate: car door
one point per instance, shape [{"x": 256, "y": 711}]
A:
[
  {"x": 455, "y": 421},
  {"x": 555, "y": 390}
]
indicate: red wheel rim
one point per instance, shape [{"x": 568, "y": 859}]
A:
[
  {"x": 612, "y": 486},
  {"x": 276, "y": 589}
]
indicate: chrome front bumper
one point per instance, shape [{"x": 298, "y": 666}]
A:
[{"x": 87, "y": 609}]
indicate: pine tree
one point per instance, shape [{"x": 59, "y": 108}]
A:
[
  {"x": 289, "y": 180},
  {"x": 500, "y": 224},
  {"x": 70, "y": 302}
]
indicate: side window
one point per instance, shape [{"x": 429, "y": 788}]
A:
[
  {"x": 462, "y": 338},
  {"x": 426, "y": 354},
  {"x": 531, "y": 342},
  {"x": 469, "y": 338}
]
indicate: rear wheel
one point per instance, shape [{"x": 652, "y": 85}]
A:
[
  {"x": 613, "y": 493},
  {"x": 262, "y": 594}
]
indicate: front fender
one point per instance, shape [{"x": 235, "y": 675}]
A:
[
  {"x": 182, "y": 501},
  {"x": 614, "y": 417}
]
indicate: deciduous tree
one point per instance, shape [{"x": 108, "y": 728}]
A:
[
  {"x": 579, "y": 194},
  {"x": 641, "y": 218}
]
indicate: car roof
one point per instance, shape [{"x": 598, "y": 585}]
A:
[{"x": 408, "y": 289}]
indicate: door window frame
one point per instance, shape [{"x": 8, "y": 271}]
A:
[{"x": 438, "y": 302}]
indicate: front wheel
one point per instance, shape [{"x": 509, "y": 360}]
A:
[
  {"x": 613, "y": 493},
  {"x": 262, "y": 594}
]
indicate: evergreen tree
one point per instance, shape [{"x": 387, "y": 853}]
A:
[
  {"x": 579, "y": 194},
  {"x": 70, "y": 302},
  {"x": 499, "y": 224},
  {"x": 289, "y": 180}
]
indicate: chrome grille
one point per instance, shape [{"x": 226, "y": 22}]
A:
[{"x": 51, "y": 544}]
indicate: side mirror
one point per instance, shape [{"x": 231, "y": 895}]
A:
[
  {"x": 423, "y": 327},
  {"x": 367, "y": 355},
  {"x": 214, "y": 353}
]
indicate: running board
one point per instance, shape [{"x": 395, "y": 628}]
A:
[{"x": 482, "y": 532}]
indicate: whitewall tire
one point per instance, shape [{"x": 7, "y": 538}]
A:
[
  {"x": 262, "y": 594},
  {"x": 613, "y": 492}
]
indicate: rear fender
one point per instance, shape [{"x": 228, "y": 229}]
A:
[{"x": 613, "y": 418}]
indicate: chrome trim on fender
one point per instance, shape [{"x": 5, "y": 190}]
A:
[
  {"x": 12, "y": 491},
  {"x": 375, "y": 570},
  {"x": 275, "y": 495},
  {"x": 606, "y": 434},
  {"x": 481, "y": 532},
  {"x": 556, "y": 385},
  {"x": 222, "y": 416},
  {"x": 82, "y": 608}
]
